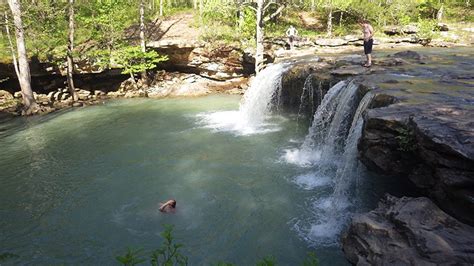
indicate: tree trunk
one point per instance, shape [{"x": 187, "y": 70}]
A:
[
  {"x": 195, "y": 5},
  {"x": 70, "y": 47},
  {"x": 260, "y": 37},
  {"x": 25, "y": 77},
  {"x": 142, "y": 34},
  {"x": 340, "y": 19},
  {"x": 439, "y": 14},
  {"x": 161, "y": 8},
  {"x": 313, "y": 5},
  {"x": 201, "y": 9},
  {"x": 329, "y": 27},
  {"x": 241, "y": 21},
  {"x": 10, "y": 43}
]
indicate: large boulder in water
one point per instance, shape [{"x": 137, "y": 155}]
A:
[{"x": 408, "y": 231}]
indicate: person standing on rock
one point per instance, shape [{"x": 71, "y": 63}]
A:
[
  {"x": 368, "y": 32},
  {"x": 291, "y": 33}
]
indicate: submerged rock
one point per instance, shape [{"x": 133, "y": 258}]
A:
[
  {"x": 408, "y": 231},
  {"x": 411, "y": 55}
]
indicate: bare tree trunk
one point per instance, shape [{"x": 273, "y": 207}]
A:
[
  {"x": 195, "y": 4},
  {"x": 25, "y": 77},
  {"x": 142, "y": 34},
  {"x": 201, "y": 9},
  {"x": 340, "y": 19},
  {"x": 70, "y": 47},
  {"x": 12, "y": 50},
  {"x": 240, "y": 22},
  {"x": 260, "y": 37},
  {"x": 313, "y": 5},
  {"x": 439, "y": 14},
  {"x": 329, "y": 27},
  {"x": 161, "y": 8}
]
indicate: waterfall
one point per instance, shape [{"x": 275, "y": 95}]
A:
[
  {"x": 252, "y": 116},
  {"x": 258, "y": 98},
  {"x": 330, "y": 148},
  {"x": 334, "y": 106},
  {"x": 344, "y": 176}
]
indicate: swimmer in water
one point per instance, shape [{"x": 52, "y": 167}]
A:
[{"x": 168, "y": 206}]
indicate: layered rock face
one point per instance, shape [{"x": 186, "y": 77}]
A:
[
  {"x": 419, "y": 128},
  {"x": 408, "y": 231},
  {"x": 433, "y": 146}
]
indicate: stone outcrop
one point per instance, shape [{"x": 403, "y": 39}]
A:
[
  {"x": 220, "y": 63},
  {"x": 408, "y": 231},
  {"x": 432, "y": 145}
]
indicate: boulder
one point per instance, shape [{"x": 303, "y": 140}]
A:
[
  {"x": 64, "y": 96},
  {"x": 135, "y": 94},
  {"x": 410, "y": 55},
  {"x": 442, "y": 27},
  {"x": 410, "y": 29},
  {"x": 41, "y": 97},
  {"x": 57, "y": 95},
  {"x": 17, "y": 95},
  {"x": 408, "y": 231},
  {"x": 99, "y": 93},
  {"x": 5, "y": 96},
  {"x": 83, "y": 94},
  {"x": 115, "y": 94}
]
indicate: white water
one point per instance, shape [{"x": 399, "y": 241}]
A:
[
  {"x": 308, "y": 154},
  {"x": 253, "y": 116},
  {"x": 330, "y": 149}
]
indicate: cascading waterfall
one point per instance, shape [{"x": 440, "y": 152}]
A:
[
  {"x": 308, "y": 93},
  {"x": 343, "y": 177},
  {"x": 331, "y": 149},
  {"x": 307, "y": 155},
  {"x": 258, "y": 100}
]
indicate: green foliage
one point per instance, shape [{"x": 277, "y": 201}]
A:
[
  {"x": 426, "y": 31},
  {"x": 311, "y": 260},
  {"x": 406, "y": 140},
  {"x": 267, "y": 261},
  {"x": 7, "y": 255},
  {"x": 169, "y": 253},
  {"x": 133, "y": 60},
  {"x": 132, "y": 257}
]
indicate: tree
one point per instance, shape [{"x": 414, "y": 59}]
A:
[
  {"x": 260, "y": 34},
  {"x": 142, "y": 33},
  {"x": 70, "y": 47},
  {"x": 133, "y": 60},
  {"x": 10, "y": 44},
  {"x": 24, "y": 77},
  {"x": 260, "y": 37}
]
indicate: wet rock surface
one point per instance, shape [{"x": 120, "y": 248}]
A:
[{"x": 408, "y": 231}]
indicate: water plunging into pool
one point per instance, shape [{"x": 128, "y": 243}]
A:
[{"x": 253, "y": 114}]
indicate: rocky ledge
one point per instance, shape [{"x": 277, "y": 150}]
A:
[
  {"x": 419, "y": 129},
  {"x": 431, "y": 144},
  {"x": 408, "y": 231}
]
